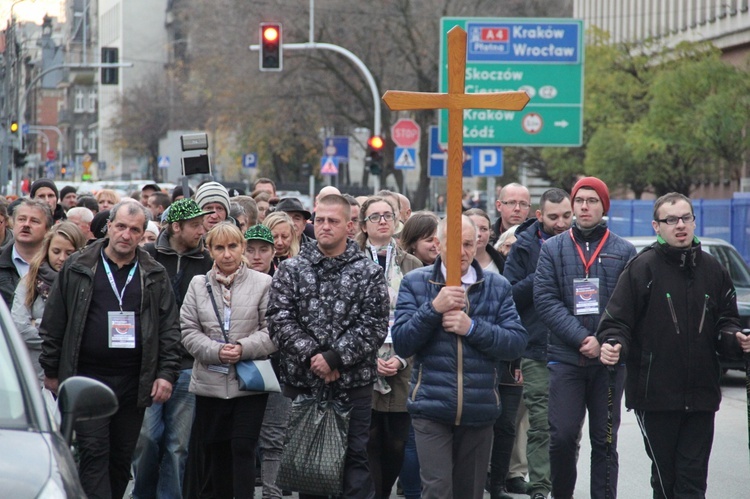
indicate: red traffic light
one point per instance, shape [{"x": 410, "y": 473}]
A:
[
  {"x": 376, "y": 142},
  {"x": 270, "y": 34}
]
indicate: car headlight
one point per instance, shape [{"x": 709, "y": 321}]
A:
[{"x": 52, "y": 490}]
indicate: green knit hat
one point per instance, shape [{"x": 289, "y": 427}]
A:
[
  {"x": 259, "y": 233},
  {"x": 185, "y": 209}
]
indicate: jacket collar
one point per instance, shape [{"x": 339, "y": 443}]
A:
[
  {"x": 590, "y": 235},
  {"x": 684, "y": 257},
  {"x": 312, "y": 253},
  {"x": 163, "y": 246},
  {"x": 437, "y": 274}
]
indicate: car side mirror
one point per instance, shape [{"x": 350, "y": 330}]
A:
[{"x": 83, "y": 399}]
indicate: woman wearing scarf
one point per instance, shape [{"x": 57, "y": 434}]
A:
[
  {"x": 61, "y": 241},
  {"x": 227, "y": 420},
  {"x": 389, "y": 428}
]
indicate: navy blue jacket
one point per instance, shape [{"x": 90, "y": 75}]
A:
[
  {"x": 559, "y": 263},
  {"x": 454, "y": 378},
  {"x": 520, "y": 268}
]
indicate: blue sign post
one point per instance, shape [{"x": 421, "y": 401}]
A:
[
  {"x": 249, "y": 160},
  {"x": 486, "y": 161},
  {"x": 337, "y": 147}
]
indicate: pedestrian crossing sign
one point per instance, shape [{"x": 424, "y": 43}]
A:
[
  {"x": 405, "y": 158},
  {"x": 329, "y": 165}
]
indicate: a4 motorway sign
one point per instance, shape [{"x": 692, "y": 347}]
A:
[{"x": 543, "y": 57}]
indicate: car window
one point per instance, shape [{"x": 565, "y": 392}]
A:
[
  {"x": 12, "y": 407},
  {"x": 735, "y": 265}
]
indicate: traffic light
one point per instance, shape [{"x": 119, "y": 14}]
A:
[
  {"x": 14, "y": 127},
  {"x": 110, "y": 76},
  {"x": 63, "y": 171},
  {"x": 270, "y": 47},
  {"x": 375, "y": 154},
  {"x": 19, "y": 158}
]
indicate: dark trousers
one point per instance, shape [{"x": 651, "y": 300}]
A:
[
  {"x": 106, "y": 445},
  {"x": 388, "y": 434},
  {"x": 572, "y": 391},
  {"x": 679, "y": 445},
  {"x": 358, "y": 482},
  {"x": 504, "y": 433}
]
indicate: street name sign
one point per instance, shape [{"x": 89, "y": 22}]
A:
[{"x": 543, "y": 57}]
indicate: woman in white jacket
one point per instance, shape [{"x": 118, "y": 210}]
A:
[
  {"x": 61, "y": 241},
  {"x": 227, "y": 420}
]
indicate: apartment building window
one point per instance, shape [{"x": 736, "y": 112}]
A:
[
  {"x": 78, "y": 104},
  {"x": 92, "y": 140},
  {"x": 92, "y": 101},
  {"x": 79, "y": 141}
]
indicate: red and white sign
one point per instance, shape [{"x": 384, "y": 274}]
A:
[
  {"x": 405, "y": 133},
  {"x": 51, "y": 154},
  {"x": 532, "y": 123}
]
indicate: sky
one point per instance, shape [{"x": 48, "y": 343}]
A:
[{"x": 30, "y": 10}]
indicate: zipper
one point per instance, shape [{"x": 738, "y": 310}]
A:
[
  {"x": 674, "y": 315},
  {"x": 703, "y": 316},
  {"x": 417, "y": 384},
  {"x": 648, "y": 375}
]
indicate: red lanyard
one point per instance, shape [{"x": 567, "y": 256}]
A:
[{"x": 587, "y": 265}]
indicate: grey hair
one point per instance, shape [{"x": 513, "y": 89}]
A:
[
  {"x": 133, "y": 208},
  {"x": 86, "y": 215},
  {"x": 443, "y": 226}
]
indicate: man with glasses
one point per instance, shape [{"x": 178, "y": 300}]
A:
[
  {"x": 576, "y": 274},
  {"x": 673, "y": 309},
  {"x": 513, "y": 205},
  {"x": 328, "y": 313}
]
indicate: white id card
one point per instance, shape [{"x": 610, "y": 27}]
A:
[
  {"x": 586, "y": 296},
  {"x": 218, "y": 368},
  {"x": 121, "y": 329}
]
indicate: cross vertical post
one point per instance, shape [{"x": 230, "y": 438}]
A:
[{"x": 456, "y": 100}]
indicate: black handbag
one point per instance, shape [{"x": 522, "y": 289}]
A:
[
  {"x": 315, "y": 448},
  {"x": 252, "y": 375}
]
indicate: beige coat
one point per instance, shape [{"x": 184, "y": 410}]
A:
[{"x": 201, "y": 332}]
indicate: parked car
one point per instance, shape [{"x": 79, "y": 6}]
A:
[
  {"x": 738, "y": 270},
  {"x": 35, "y": 456}
]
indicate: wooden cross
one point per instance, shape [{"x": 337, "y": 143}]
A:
[{"x": 456, "y": 100}]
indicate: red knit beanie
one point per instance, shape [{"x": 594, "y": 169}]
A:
[{"x": 595, "y": 184}]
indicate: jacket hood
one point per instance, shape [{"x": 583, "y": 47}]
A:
[{"x": 162, "y": 246}]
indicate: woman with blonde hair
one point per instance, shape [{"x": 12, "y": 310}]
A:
[
  {"x": 285, "y": 238},
  {"x": 107, "y": 198},
  {"x": 61, "y": 241},
  {"x": 223, "y": 320}
]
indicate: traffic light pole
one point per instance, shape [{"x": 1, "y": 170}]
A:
[{"x": 312, "y": 45}]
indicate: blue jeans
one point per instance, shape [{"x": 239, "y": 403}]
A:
[
  {"x": 410, "y": 480},
  {"x": 161, "y": 453}
]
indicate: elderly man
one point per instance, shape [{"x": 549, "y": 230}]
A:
[
  {"x": 457, "y": 335},
  {"x": 111, "y": 315},
  {"x": 513, "y": 205},
  {"x": 213, "y": 197},
  {"x": 82, "y": 217},
  {"x": 672, "y": 383}
]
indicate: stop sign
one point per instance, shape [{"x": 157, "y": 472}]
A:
[
  {"x": 405, "y": 133},
  {"x": 51, "y": 154}
]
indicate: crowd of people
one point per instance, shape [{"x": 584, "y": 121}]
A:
[{"x": 453, "y": 390}]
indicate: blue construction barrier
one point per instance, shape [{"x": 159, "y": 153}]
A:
[{"x": 727, "y": 219}]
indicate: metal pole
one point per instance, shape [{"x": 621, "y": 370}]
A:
[{"x": 312, "y": 21}]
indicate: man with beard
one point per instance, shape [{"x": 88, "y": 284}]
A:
[
  {"x": 162, "y": 449},
  {"x": 554, "y": 216},
  {"x": 31, "y": 221}
]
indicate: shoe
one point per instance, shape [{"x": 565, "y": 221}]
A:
[
  {"x": 516, "y": 485},
  {"x": 538, "y": 495},
  {"x": 500, "y": 493}
]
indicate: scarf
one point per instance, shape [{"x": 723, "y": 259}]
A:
[
  {"x": 226, "y": 283},
  {"x": 44, "y": 279},
  {"x": 393, "y": 274}
]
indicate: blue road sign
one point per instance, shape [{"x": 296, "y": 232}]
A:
[
  {"x": 487, "y": 161},
  {"x": 329, "y": 165},
  {"x": 337, "y": 147},
  {"x": 438, "y": 157},
  {"x": 249, "y": 160},
  {"x": 164, "y": 162},
  {"x": 405, "y": 158},
  {"x": 517, "y": 41}
]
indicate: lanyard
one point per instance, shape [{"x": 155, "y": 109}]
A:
[
  {"x": 112, "y": 283},
  {"x": 387, "y": 256},
  {"x": 587, "y": 265}
]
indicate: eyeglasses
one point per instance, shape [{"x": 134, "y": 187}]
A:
[
  {"x": 588, "y": 201},
  {"x": 375, "y": 217},
  {"x": 672, "y": 220},
  {"x": 521, "y": 204}
]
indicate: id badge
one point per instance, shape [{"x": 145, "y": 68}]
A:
[
  {"x": 586, "y": 295},
  {"x": 218, "y": 368},
  {"x": 121, "y": 329},
  {"x": 391, "y": 320}
]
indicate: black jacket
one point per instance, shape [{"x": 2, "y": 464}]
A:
[
  {"x": 67, "y": 308},
  {"x": 8, "y": 276},
  {"x": 672, "y": 310}
]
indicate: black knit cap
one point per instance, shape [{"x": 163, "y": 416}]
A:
[
  {"x": 68, "y": 189},
  {"x": 43, "y": 182},
  {"x": 99, "y": 224}
]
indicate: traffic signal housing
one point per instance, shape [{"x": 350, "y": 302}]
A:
[
  {"x": 110, "y": 76},
  {"x": 19, "y": 158},
  {"x": 374, "y": 158},
  {"x": 270, "y": 47}
]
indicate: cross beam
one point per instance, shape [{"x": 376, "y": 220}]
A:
[{"x": 456, "y": 100}]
